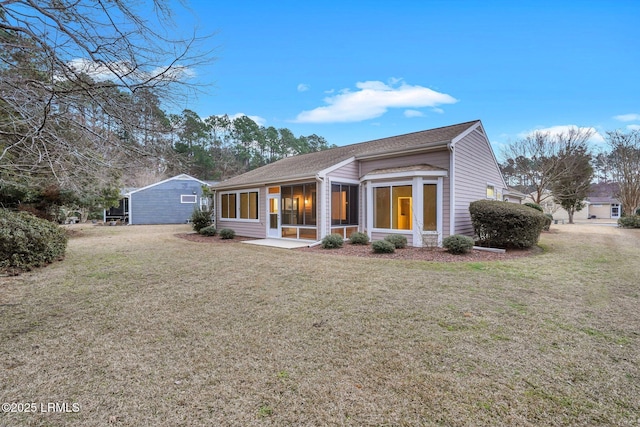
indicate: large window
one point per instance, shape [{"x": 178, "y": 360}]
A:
[
  {"x": 344, "y": 204},
  {"x": 298, "y": 204},
  {"x": 246, "y": 209},
  {"x": 393, "y": 207}
]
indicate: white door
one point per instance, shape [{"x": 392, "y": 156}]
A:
[
  {"x": 273, "y": 212},
  {"x": 615, "y": 211}
]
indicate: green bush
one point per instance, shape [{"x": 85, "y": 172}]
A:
[
  {"x": 458, "y": 244},
  {"x": 27, "y": 241},
  {"x": 506, "y": 225},
  {"x": 397, "y": 240},
  {"x": 227, "y": 233},
  {"x": 548, "y": 218},
  {"x": 358, "y": 238},
  {"x": 534, "y": 206},
  {"x": 631, "y": 221},
  {"x": 383, "y": 247},
  {"x": 332, "y": 241},
  {"x": 638, "y": 211},
  {"x": 208, "y": 231},
  {"x": 200, "y": 219}
]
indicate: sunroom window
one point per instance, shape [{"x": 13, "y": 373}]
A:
[{"x": 393, "y": 207}]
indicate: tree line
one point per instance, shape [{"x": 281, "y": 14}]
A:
[
  {"x": 564, "y": 167},
  {"x": 82, "y": 85}
]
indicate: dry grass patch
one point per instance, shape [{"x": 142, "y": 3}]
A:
[{"x": 143, "y": 328}]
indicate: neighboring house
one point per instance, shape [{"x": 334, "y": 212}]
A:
[
  {"x": 171, "y": 201},
  {"x": 602, "y": 203},
  {"x": 419, "y": 185},
  {"x": 549, "y": 206},
  {"x": 512, "y": 195}
]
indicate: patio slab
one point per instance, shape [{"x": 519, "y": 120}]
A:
[{"x": 278, "y": 243}]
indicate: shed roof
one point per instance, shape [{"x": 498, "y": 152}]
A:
[{"x": 308, "y": 165}]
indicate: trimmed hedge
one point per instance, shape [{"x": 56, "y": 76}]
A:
[
  {"x": 383, "y": 247},
  {"x": 332, "y": 241},
  {"x": 208, "y": 231},
  {"x": 458, "y": 244},
  {"x": 27, "y": 241},
  {"x": 548, "y": 218},
  {"x": 506, "y": 225},
  {"x": 631, "y": 221},
  {"x": 227, "y": 233},
  {"x": 397, "y": 240},
  {"x": 358, "y": 238}
]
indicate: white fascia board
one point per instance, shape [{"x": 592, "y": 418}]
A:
[
  {"x": 181, "y": 177},
  {"x": 400, "y": 175}
]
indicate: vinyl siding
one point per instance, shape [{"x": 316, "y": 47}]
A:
[
  {"x": 434, "y": 158},
  {"x": 475, "y": 167},
  {"x": 160, "y": 204},
  {"x": 347, "y": 174},
  {"x": 246, "y": 228}
]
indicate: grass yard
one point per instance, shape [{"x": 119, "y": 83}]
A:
[{"x": 137, "y": 327}]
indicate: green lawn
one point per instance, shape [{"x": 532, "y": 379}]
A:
[{"x": 138, "y": 327}]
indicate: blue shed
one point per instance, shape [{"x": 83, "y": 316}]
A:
[{"x": 171, "y": 201}]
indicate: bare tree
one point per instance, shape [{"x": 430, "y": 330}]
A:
[
  {"x": 72, "y": 73},
  {"x": 538, "y": 159},
  {"x": 625, "y": 162}
]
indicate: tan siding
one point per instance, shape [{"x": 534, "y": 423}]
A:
[
  {"x": 246, "y": 228},
  {"x": 475, "y": 168},
  {"x": 602, "y": 211}
]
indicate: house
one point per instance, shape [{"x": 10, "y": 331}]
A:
[
  {"x": 171, "y": 201},
  {"x": 512, "y": 195},
  {"x": 419, "y": 185},
  {"x": 602, "y": 202}
]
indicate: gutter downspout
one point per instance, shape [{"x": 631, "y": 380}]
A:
[
  {"x": 452, "y": 189},
  {"x": 323, "y": 205}
]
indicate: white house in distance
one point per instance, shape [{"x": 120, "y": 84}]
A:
[{"x": 419, "y": 185}]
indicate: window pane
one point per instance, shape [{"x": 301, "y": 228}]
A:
[
  {"x": 430, "y": 207},
  {"x": 225, "y": 206},
  {"x": 244, "y": 205},
  {"x": 382, "y": 207},
  {"x": 310, "y": 209},
  {"x": 298, "y": 203},
  {"x": 232, "y": 206},
  {"x": 353, "y": 205},
  {"x": 402, "y": 206},
  {"x": 335, "y": 204},
  {"x": 253, "y": 205}
]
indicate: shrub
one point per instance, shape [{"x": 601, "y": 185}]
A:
[
  {"x": 506, "y": 225},
  {"x": 397, "y": 240},
  {"x": 208, "y": 231},
  {"x": 534, "y": 206},
  {"x": 27, "y": 241},
  {"x": 458, "y": 244},
  {"x": 200, "y": 219},
  {"x": 548, "y": 218},
  {"x": 631, "y": 221},
  {"x": 227, "y": 233},
  {"x": 332, "y": 241},
  {"x": 383, "y": 247},
  {"x": 358, "y": 238}
]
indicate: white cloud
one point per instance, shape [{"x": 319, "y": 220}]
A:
[
  {"x": 596, "y": 137},
  {"x": 413, "y": 113},
  {"x": 628, "y": 117},
  {"x": 371, "y": 100},
  {"x": 105, "y": 72},
  {"x": 303, "y": 87},
  {"x": 260, "y": 121},
  {"x": 633, "y": 127}
]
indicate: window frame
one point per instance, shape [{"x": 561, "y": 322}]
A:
[
  {"x": 182, "y": 198},
  {"x": 238, "y": 197}
]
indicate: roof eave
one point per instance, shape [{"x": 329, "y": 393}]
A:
[{"x": 399, "y": 152}]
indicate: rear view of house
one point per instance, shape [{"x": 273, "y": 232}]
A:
[{"x": 419, "y": 185}]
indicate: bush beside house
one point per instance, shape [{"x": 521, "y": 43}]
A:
[{"x": 506, "y": 225}]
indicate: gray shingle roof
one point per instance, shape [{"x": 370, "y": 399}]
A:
[{"x": 308, "y": 165}]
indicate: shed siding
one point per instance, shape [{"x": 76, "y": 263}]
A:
[
  {"x": 475, "y": 167},
  {"x": 160, "y": 204},
  {"x": 257, "y": 229}
]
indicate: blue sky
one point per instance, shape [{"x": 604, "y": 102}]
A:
[{"x": 360, "y": 70}]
